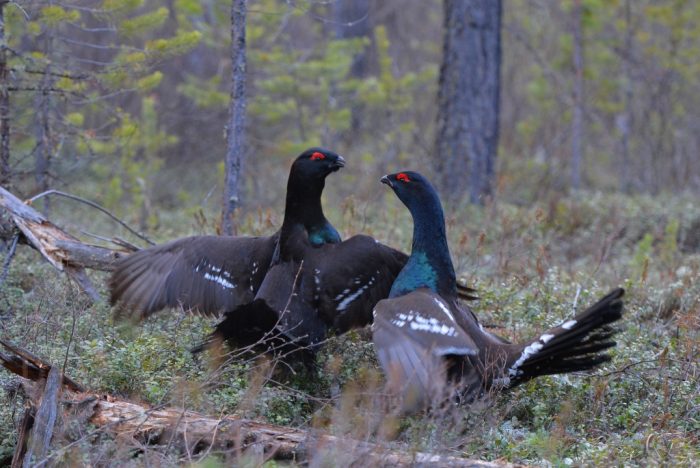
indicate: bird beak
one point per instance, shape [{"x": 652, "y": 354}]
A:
[
  {"x": 340, "y": 162},
  {"x": 386, "y": 180}
]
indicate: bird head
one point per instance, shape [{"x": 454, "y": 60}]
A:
[
  {"x": 411, "y": 187},
  {"x": 318, "y": 162}
]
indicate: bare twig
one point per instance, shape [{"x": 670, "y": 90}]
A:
[
  {"x": 578, "y": 293},
  {"x": 97, "y": 207},
  {"x": 628, "y": 366},
  {"x": 114, "y": 240},
  {"x": 70, "y": 340}
]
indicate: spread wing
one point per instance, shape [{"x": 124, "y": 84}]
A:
[
  {"x": 287, "y": 291},
  {"x": 412, "y": 334},
  {"x": 349, "y": 278},
  {"x": 203, "y": 274}
]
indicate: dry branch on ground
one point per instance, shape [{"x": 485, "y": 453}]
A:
[{"x": 190, "y": 432}]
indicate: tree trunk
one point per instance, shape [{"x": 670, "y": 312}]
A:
[
  {"x": 5, "y": 169},
  {"x": 42, "y": 161},
  {"x": 577, "y": 123},
  {"x": 469, "y": 97},
  {"x": 236, "y": 131},
  {"x": 625, "y": 117},
  {"x": 44, "y": 146},
  {"x": 352, "y": 21}
]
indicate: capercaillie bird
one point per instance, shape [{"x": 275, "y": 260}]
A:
[{"x": 426, "y": 340}]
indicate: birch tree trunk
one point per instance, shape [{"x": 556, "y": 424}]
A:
[
  {"x": 236, "y": 128},
  {"x": 469, "y": 98}
]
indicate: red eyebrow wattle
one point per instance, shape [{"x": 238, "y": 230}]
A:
[
  {"x": 403, "y": 177},
  {"x": 318, "y": 155}
]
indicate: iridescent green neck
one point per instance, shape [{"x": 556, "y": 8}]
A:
[
  {"x": 429, "y": 265},
  {"x": 417, "y": 273},
  {"x": 323, "y": 234}
]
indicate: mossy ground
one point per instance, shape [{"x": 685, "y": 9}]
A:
[{"x": 533, "y": 266}]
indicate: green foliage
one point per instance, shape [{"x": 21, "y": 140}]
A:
[
  {"x": 143, "y": 23},
  {"x": 121, "y": 6},
  {"x": 149, "y": 82},
  {"x": 100, "y": 108},
  {"x": 53, "y": 15},
  {"x": 182, "y": 42},
  {"x": 642, "y": 255},
  {"x": 205, "y": 93},
  {"x": 669, "y": 246},
  {"x": 142, "y": 366},
  {"x": 139, "y": 142}
]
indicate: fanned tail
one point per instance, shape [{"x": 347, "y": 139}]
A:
[{"x": 575, "y": 345}]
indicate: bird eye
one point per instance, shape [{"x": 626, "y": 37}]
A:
[
  {"x": 403, "y": 177},
  {"x": 317, "y": 155}
]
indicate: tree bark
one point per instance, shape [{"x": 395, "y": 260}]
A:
[
  {"x": 236, "y": 129},
  {"x": 45, "y": 419},
  {"x": 5, "y": 168},
  {"x": 625, "y": 117},
  {"x": 23, "y": 432},
  {"x": 352, "y": 21},
  {"x": 577, "y": 123},
  {"x": 469, "y": 97},
  {"x": 43, "y": 130}
]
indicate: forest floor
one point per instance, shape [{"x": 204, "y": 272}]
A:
[{"x": 533, "y": 267}]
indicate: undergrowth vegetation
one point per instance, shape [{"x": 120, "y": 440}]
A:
[{"x": 533, "y": 266}]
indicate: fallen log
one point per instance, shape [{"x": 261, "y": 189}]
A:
[{"x": 194, "y": 433}]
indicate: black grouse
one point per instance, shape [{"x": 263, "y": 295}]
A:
[
  {"x": 297, "y": 284},
  {"x": 426, "y": 340}
]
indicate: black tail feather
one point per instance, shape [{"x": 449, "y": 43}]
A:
[
  {"x": 575, "y": 345},
  {"x": 246, "y": 326}
]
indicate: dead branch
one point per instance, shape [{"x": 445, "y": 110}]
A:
[
  {"x": 23, "y": 437},
  {"x": 97, "y": 207},
  {"x": 88, "y": 256},
  {"x": 193, "y": 432},
  {"x": 45, "y": 419},
  {"x": 29, "y": 366},
  {"x": 64, "y": 251}
]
